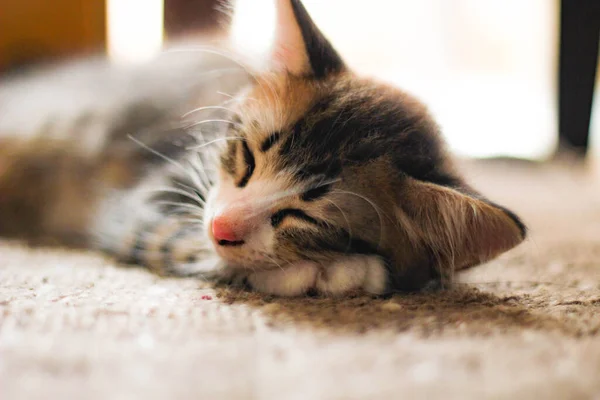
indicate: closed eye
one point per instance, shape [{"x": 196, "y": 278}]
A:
[
  {"x": 279, "y": 216},
  {"x": 250, "y": 164},
  {"x": 316, "y": 193}
]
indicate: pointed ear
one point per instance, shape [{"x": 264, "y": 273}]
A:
[
  {"x": 464, "y": 229},
  {"x": 299, "y": 46}
]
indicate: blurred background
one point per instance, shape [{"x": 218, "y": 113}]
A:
[{"x": 488, "y": 69}]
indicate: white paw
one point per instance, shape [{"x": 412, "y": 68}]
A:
[
  {"x": 293, "y": 280},
  {"x": 365, "y": 273}
]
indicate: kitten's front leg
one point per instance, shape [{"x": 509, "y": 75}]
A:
[
  {"x": 168, "y": 246},
  {"x": 293, "y": 280},
  {"x": 349, "y": 273},
  {"x": 136, "y": 230}
]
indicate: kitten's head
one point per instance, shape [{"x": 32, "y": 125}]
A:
[{"x": 328, "y": 164}]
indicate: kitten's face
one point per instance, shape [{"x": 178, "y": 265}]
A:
[
  {"x": 299, "y": 182},
  {"x": 324, "y": 165}
]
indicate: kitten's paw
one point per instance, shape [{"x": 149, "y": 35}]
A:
[
  {"x": 352, "y": 273},
  {"x": 294, "y": 280},
  {"x": 364, "y": 273}
]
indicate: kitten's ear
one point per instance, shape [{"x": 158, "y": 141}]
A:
[
  {"x": 299, "y": 46},
  {"x": 465, "y": 229}
]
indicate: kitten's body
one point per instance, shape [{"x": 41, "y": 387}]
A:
[
  {"x": 325, "y": 181},
  {"x": 65, "y": 134}
]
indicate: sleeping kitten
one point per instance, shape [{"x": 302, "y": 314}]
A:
[{"x": 311, "y": 179}]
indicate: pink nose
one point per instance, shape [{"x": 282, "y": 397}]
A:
[{"x": 226, "y": 231}]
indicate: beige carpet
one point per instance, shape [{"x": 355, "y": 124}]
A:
[{"x": 74, "y": 326}]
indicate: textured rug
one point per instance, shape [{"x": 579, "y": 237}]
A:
[{"x": 74, "y": 325}]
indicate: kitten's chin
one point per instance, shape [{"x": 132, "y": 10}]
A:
[{"x": 243, "y": 263}]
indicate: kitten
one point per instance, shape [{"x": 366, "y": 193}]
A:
[{"x": 312, "y": 179}]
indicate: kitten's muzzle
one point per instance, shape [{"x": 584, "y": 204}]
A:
[
  {"x": 226, "y": 231},
  {"x": 232, "y": 226}
]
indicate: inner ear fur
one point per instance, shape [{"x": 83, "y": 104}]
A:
[
  {"x": 300, "y": 47},
  {"x": 461, "y": 229}
]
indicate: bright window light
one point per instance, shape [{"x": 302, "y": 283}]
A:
[
  {"x": 253, "y": 27},
  {"x": 485, "y": 68},
  {"x": 135, "y": 29}
]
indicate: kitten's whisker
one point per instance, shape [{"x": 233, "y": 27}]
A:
[
  {"x": 196, "y": 178},
  {"x": 375, "y": 207},
  {"x": 192, "y": 196},
  {"x": 273, "y": 260},
  {"x": 200, "y": 172},
  {"x": 232, "y": 98},
  {"x": 206, "y": 121},
  {"x": 152, "y": 238},
  {"x": 198, "y": 221},
  {"x": 347, "y": 222},
  {"x": 323, "y": 183},
  {"x": 218, "y": 71},
  {"x": 159, "y": 154},
  {"x": 195, "y": 110},
  {"x": 190, "y": 188},
  {"x": 215, "y": 141},
  {"x": 180, "y": 205},
  {"x": 180, "y": 210},
  {"x": 215, "y": 51}
]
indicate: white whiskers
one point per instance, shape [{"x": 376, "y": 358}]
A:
[
  {"x": 195, "y": 110},
  {"x": 192, "y": 196},
  {"x": 215, "y": 141},
  {"x": 346, "y": 219},
  {"x": 193, "y": 172},
  {"x": 207, "y": 121},
  {"x": 181, "y": 205}
]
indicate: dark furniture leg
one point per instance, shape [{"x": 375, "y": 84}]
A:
[
  {"x": 579, "y": 40},
  {"x": 183, "y": 17}
]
